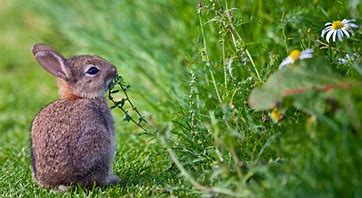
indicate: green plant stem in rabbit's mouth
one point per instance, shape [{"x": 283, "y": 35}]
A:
[{"x": 118, "y": 85}]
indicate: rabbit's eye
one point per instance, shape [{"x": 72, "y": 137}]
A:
[{"x": 92, "y": 71}]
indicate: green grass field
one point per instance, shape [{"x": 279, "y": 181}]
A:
[{"x": 205, "y": 76}]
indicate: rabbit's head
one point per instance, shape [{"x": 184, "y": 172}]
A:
[{"x": 82, "y": 76}]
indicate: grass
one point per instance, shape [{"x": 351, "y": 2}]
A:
[{"x": 191, "y": 68}]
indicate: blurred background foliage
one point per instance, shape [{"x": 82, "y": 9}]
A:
[{"x": 192, "y": 66}]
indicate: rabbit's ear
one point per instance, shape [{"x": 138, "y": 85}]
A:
[{"x": 51, "y": 61}]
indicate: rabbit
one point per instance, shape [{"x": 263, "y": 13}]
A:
[{"x": 73, "y": 138}]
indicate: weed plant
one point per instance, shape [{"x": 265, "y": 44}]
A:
[{"x": 202, "y": 75}]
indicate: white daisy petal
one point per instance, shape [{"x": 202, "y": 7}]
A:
[
  {"x": 339, "y": 34},
  {"x": 307, "y": 51},
  {"x": 329, "y": 34},
  {"x": 344, "y": 21},
  {"x": 304, "y": 56},
  {"x": 329, "y": 23},
  {"x": 351, "y": 20},
  {"x": 350, "y": 32},
  {"x": 328, "y": 28},
  {"x": 352, "y": 25},
  {"x": 325, "y": 30},
  {"x": 285, "y": 62},
  {"x": 348, "y": 29},
  {"x": 345, "y": 32},
  {"x": 334, "y": 36}
]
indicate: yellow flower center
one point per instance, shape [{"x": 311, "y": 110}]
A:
[
  {"x": 336, "y": 25},
  {"x": 294, "y": 55},
  {"x": 276, "y": 115}
]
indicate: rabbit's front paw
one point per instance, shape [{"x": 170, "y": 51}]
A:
[
  {"x": 60, "y": 188},
  {"x": 63, "y": 188},
  {"x": 112, "y": 179}
]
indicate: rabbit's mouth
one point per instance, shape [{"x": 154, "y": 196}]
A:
[{"x": 109, "y": 84}]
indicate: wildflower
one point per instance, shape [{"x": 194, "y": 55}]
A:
[
  {"x": 347, "y": 59},
  {"x": 311, "y": 126},
  {"x": 339, "y": 29},
  {"x": 311, "y": 121},
  {"x": 276, "y": 115},
  {"x": 295, "y": 55}
]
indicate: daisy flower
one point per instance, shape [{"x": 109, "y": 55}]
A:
[
  {"x": 338, "y": 29},
  {"x": 295, "y": 55},
  {"x": 311, "y": 121},
  {"x": 276, "y": 115}
]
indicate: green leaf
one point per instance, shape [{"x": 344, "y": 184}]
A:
[
  {"x": 120, "y": 103},
  {"x": 115, "y": 91},
  {"x": 313, "y": 75},
  {"x": 127, "y": 118}
]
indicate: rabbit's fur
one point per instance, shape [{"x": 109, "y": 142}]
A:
[{"x": 73, "y": 138}]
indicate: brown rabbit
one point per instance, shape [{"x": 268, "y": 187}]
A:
[{"x": 72, "y": 139}]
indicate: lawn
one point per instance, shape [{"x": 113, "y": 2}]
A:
[{"x": 223, "y": 119}]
